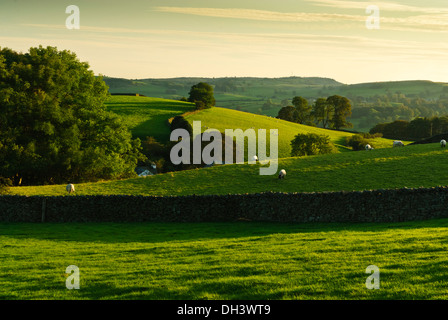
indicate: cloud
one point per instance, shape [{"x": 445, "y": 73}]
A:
[
  {"x": 424, "y": 22},
  {"x": 261, "y": 15},
  {"x": 388, "y": 6}
]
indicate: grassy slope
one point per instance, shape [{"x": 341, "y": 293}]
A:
[
  {"x": 147, "y": 116},
  {"x": 224, "y": 261},
  {"x": 221, "y": 119},
  {"x": 412, "y": 166}
]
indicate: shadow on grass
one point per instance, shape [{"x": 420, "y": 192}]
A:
[{"x": 152, "y": 232}]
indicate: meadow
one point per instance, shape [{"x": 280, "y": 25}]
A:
[
  {"x": 238, "y": 260},
  {"x": 411, "y": 166},
  {"x": 228, "y": 261}
]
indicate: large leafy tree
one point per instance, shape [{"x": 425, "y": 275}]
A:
[
  {"x": 288, "y": 113},
  {"x": 54, "y": 127},
  {"x": 342, "y": 109},
  {"x": 202, "y": 94},
  {"x": 323, "y": 112},
  {"x": 303, "y": 110}
]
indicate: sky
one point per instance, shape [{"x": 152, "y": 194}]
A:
[{"x": 137, "y": 39}]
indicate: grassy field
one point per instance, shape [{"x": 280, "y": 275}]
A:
[
  {"x": 224, "y": 260},
  {"x": 413, "y": 166},
  {"x": 147, "y": 116},
  {"x": 221, "y": 119}
]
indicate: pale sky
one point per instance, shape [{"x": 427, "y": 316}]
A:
[{"x": 138, "y": 39}]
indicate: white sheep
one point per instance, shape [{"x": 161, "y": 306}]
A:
[
  {"x": 443, "y": 143},
  {"x": 70, "y": 188},
  {"x": 398, "y": 144},
  {"x": 255, "y": 158},
  {"x": 282, "y": 174},
  {"x": 368, "y": 147}
]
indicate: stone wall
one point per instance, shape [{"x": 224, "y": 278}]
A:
[{"x": 364, "y": 206}]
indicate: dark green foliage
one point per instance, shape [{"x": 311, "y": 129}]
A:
[
  {"x": 4, "y": 184},
  {"x": 323, "y": 113},
  {"x": 179, "y": 122},
  {"x": 54, "y": 127},
  {"x": 200, "y": 105},
  {"x": 419, "y": 128},
  {"x": 342, "y": 109},
  {"x": 288, "y": 113},
  {"x": 311, "y": 144},
  {"x": 357, "y": 142},
  {"x": 202, "y": 92},
  {"x": 303, "y": 115}
]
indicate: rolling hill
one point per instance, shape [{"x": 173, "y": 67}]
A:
[
  {"x": 222, "y": 118},
  {"x": 146, "y": 116}
]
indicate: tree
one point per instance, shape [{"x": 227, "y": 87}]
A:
[
  {"x": 342, "y": 109},
  {"x": 288, "y": 113},
  {"x": 54, "y": 126},
  {"x": 202, "y": 92},
  {"x": 419, "y": 128},
  {"x": 311, "y": 144},
  {"x": 303, "y": 110},
  {"x": 323, "y": 112}
]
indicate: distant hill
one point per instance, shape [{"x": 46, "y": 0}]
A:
[{"x": 266, "y": 96}]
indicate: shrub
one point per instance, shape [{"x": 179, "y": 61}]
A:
[
  {"x": 357, "y": 142},
  {"x": 311, "y": 144},
  {"x": 180, "y": 122},
  {"x": 4, "y": 184}
]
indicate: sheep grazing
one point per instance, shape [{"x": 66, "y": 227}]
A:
[
  {"x": 70, "y": 188},
  {"x": 368, "y": 147},
  {"x": 282, "y": 174},
  {"x": 255, "y": 158},
  {"x": 398, "y": 144},
  {"x": 443, "y": 143}
]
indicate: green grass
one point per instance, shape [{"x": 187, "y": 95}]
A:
[
  {"x": 224, "y": 260},
  {"x": 146, "y": 116},
  {"x": 411, "y": 166},
  {"x": 221, "y": 119}
]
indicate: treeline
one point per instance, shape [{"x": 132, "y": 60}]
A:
[
  {"x": 391, "y": 107},
  {"x": 331, "y": 112},
  {"x": 417, "y": 129}
]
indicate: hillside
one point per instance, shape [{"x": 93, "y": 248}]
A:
[
  {"x": 146, "y": 116},
  {"x": 221, "y": 119},
  {"x": 412, "y": 166}
]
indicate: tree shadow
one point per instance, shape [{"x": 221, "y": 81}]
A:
[{"x": 159, "y": 232}]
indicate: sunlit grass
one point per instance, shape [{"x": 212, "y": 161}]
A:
[
  {"x": 146, "y": 116},
  {"x": 224, "y": 260},
  {"x": 412, "y": 166}
]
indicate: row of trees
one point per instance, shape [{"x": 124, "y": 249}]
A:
[
  {"x": 331, "y": 112},
  {"x": 419, "y": 128}
]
